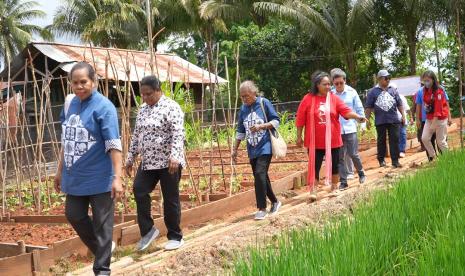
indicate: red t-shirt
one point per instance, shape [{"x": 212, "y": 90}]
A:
[
  {"x": 441, "y": 111},
  {"x": 303, "y": 119}
]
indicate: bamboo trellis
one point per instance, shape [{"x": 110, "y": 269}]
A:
[{"x": 29, "y": 149}]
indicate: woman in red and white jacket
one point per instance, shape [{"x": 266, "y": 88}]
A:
[
  {"x": 319, "y": 113},
  {"x": 438, "y": 115}
]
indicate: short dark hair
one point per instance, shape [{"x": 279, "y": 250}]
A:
[
  {"x": 317, "y": 77},
  {"x": 151, "y": 81},
  {"x": 432, "y": 75},
  {"x": 83, "y": 65}
]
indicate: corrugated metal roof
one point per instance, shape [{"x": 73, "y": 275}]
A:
[{"x": 126, "y": 64}]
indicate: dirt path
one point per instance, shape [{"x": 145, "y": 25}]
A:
[{"x": 210, "y": 248}]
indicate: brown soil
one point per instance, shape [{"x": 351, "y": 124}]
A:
[{"x": 35, "y": 234}]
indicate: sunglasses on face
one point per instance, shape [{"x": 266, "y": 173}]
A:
[{"x": 338, "y": 83}]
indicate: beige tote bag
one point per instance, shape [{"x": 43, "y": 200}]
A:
[{"x": 278, "y": 145}]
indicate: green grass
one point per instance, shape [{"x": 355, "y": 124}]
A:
[{"x": 417, "y": 228}]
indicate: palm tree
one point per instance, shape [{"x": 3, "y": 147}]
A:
[
  {"x": 107, "y": 23},
  {"x": 205, "y": 27},
  {"x": 338, "y": 25},
  {"x": 234, "y": 10},
  {"x": 168, "y": 17},
  {"x": 15, "y": 33}
]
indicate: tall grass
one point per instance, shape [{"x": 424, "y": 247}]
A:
[{"x": 417, "y": 228}]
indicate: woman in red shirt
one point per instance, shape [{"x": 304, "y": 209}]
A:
[
  {"x": 438, "y": 116},
  {"x": 322, "y": 129}
]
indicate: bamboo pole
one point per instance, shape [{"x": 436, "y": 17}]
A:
[
  {"x": 196, "y": 188},
  {"x": 107, "y": 88},
  {"x": 38, "y": 129},
  {"x": 149, "y": 32},
  {"x": 233, "y": 167},
  {"x": 197, "y": 194},
  {"x": 215, "y": 122},
  {"x": 31, "y": 183},
  {"x": 4, "y": 171},
  {"x": 459, "y": 37}
]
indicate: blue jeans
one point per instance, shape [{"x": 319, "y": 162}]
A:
[{"x": 403, "y": 139}]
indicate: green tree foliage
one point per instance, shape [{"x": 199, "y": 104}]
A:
[
  {"x": 337, "y": 25},
  {"x": 15, "y": 29},
  {"x": 235, "y": 11},
  {"x": 411, "y": 18},
  {"x": 115, "y": 23},
  {"x": 279, "y": 57}
]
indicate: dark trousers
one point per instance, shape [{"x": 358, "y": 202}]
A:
[
  {"x": 96, "y": 233},
  {"x": 393, "y": 130},
  {"x": 319, "y": 154},
  {"x": 144, "y": 183},
  {"x": 263, "y": 189},
  {"x": 349, "y": 149},
  {"x": 433, "y": 139}
]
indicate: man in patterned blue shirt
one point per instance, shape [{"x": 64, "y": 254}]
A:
[{"x": 384, "y": 101}]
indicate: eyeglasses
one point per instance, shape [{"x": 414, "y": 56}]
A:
[
  {"x": 387, "y": 78},
  {"x": 338, "y": 83}
]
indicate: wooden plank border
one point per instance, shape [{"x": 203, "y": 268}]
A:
[
  {"x": 211, "y": 210},
  {"x": 54, "y": 219}
]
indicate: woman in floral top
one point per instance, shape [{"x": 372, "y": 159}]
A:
[{"x": 159, "y": 141}]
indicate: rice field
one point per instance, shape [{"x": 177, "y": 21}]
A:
[{"x": 416, "y": 228}]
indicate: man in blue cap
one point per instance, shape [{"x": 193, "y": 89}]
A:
[{"x": 384, "y": 101}]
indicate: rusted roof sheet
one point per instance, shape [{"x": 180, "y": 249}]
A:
[{"x": 127, "y": 64}]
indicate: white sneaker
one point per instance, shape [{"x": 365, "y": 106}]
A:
[
  {"x": 261, "y": 215},
  {"x": 402, "y": 154},
  {"x": 113, "y": 246},
  {"x": 174, "y": 244}
]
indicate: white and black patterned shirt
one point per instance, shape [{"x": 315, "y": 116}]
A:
[{"x": 158, "y": 135}]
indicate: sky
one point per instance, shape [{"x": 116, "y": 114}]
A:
[{"x": 50, "y": 7}]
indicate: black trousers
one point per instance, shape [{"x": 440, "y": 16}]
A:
[
  {"x": 433, "y": 139},
  {"x": 393, "y": 130},
  {"x": 96, "y": 233},
  {"x": 319, "y": 154},
  {"x": 263, "y": 189},
  {"x": 144, "y": 183}
]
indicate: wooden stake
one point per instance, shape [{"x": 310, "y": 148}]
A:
[{"x": 459, "y": 37}]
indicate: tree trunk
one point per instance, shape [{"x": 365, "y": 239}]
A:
[
  {"x": 351, "y": 63},
  {"x": 412, "y": 52},
  {"x": 437, "y": 50}
]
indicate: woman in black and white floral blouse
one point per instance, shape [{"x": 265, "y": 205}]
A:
[{"x": 159, "y": 140}]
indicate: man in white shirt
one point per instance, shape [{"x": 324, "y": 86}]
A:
[{"x": 403, "y": 129}]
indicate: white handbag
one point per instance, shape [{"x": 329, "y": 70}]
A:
[{"x": 278, "y": 145}]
